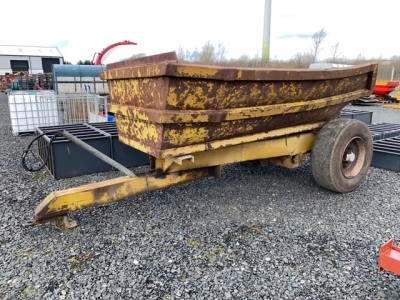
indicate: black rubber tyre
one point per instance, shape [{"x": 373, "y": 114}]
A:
[{"x": 341, "y": 155}]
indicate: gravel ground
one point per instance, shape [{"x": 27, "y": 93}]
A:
[{"x": 261, "y": 233}]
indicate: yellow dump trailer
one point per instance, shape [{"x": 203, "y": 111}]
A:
[{"x": 193, "y": 119}]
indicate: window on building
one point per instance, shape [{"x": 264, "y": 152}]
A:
[
  {"x": 19, "y": 65},
  {"x": 48, "y": 63}
]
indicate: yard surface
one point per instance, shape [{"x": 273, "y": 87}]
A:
[{"x": 260, "y": 233}]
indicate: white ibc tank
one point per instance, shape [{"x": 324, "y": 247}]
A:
[{"x": 30, "y": 109}]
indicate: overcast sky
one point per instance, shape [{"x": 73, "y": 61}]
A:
[{"x": 81, "y": 28}]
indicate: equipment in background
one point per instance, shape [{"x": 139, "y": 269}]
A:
[{"x": 102, "y": 55}]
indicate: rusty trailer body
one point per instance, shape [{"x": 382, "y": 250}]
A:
[
  {"x": 193, "y": 119},
  {"x": 166, "y": 108}
]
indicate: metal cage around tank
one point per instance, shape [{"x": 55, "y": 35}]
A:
[{"x": 32, "y": 109}]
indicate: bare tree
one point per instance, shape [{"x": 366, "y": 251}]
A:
[
  {"x": 207, "y": 53},
  {"x": 181, "y": 54},
  {"x": 317, "y": 39},
  {"x": 335, "y": 52},
  {"x": 220, "y": 55},
  {"x": 302, "y": 60},
  {"x": 242, "y": 61}
]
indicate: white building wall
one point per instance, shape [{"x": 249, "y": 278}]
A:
[
  {"x": 5, "y": 64},
  {"x": 34, "y": 62}
]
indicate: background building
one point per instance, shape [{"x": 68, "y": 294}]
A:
[{"x": 29, "y": 59}]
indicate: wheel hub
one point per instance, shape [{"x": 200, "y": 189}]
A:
[
  {"x": 350, "y": 157},
  {"x": 353, "y": 157}
]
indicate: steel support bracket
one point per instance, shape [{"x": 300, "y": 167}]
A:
[{"x": 178, "y": 160}]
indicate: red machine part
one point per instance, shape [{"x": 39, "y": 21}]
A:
[
  {"x": 5, "y": 81},
  {"x": 389, "y": 258},
  {"x": 97, "y": 60},
  {"x": 383, "y": 88}
]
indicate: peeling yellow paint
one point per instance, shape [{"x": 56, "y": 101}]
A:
[
  {"x": 196, "y": 105},
  {"x": 206, "y": 116},
  {"x": 182, "y": 150},
  {"x": 187, "y": 135},
  {"x": 108, "y": 191},
  {"x": 196, "y": 71},
  {"x": 278, "y": 147}
]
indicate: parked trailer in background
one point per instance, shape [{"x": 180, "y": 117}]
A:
[{"x": 79, "y": 79}]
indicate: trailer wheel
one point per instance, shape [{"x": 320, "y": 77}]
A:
[{"x": 341, "y": 155}]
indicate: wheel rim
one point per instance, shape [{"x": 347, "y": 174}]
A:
[{"x": 353, "y": 157}]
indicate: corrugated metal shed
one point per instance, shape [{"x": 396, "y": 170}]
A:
[{"x": 30, "y": 51}]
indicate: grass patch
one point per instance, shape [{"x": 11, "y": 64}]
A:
[
  {"x": 28, "y": 292},
  {"x": 193, "y": 242},
  {"x": 255, "y": 228},
  {"x": 216, "y": 253}
]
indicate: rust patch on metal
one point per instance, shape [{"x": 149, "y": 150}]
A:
[
  {"x": 106, "y": 191},
  {"x": 45, "y": 213},
  {"x": 175, "y": 135},
  {"x": 163, "y": 57},
  {"x": 161, "y": 104}
]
